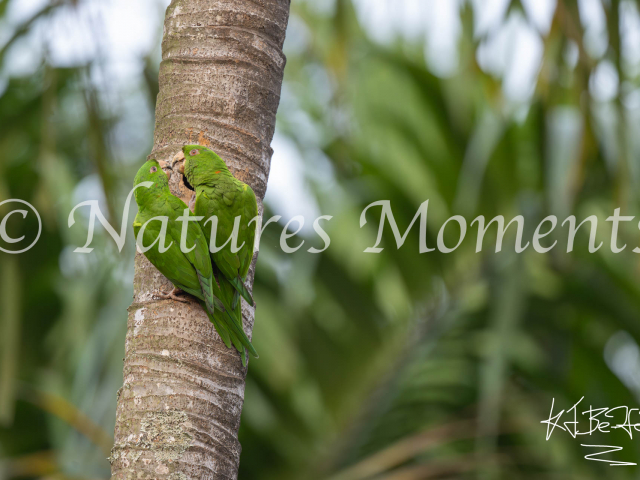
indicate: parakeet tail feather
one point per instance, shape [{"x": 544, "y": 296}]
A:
[
  {"x": 212, "y": 303},
  {"x": 239, "y": 285}
]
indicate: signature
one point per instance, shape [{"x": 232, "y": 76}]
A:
[{"x": 602, "y": 420}]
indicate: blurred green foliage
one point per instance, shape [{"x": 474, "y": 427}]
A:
[{"x": 392, "y": 366}]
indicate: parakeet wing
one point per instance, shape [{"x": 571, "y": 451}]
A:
[
  {"x": 250, "y": 211},
  {"x": 228, "y": 201},
  {"x": 172, "y": 263}
]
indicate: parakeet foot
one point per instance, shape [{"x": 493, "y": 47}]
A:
[{"x": 172, "y": 295}]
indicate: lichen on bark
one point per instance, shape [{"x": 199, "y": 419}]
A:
[{"x": 178, "y": 412}]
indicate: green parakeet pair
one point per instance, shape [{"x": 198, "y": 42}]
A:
[{"x": 192, "y": 270}]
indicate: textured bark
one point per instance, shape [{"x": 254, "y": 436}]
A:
[{"x": 179, "y": 409}]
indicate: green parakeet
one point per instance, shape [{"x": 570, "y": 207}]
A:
[
  {"x": 190, "y": 271},
  {"x": 219, "y": 193}
]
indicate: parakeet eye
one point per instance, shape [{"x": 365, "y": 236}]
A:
[
  {"x": 153, "y": 169},
  {"x": 194, "y": 152}
]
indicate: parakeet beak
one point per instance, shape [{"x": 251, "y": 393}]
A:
[
  {"x": 166, "y": 168},
  {"x": 179, "y": 157},
  {"x": 178, "y": 166}
]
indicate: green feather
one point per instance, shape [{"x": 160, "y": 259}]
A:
[{"x": 220, "y": 328}]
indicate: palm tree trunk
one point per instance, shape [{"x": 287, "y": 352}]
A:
[{"x": 179, "y": 409}]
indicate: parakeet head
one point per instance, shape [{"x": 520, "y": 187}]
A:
[
  {"x": 151, "y": 171},
  {"x": 199, "y": 166}
]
